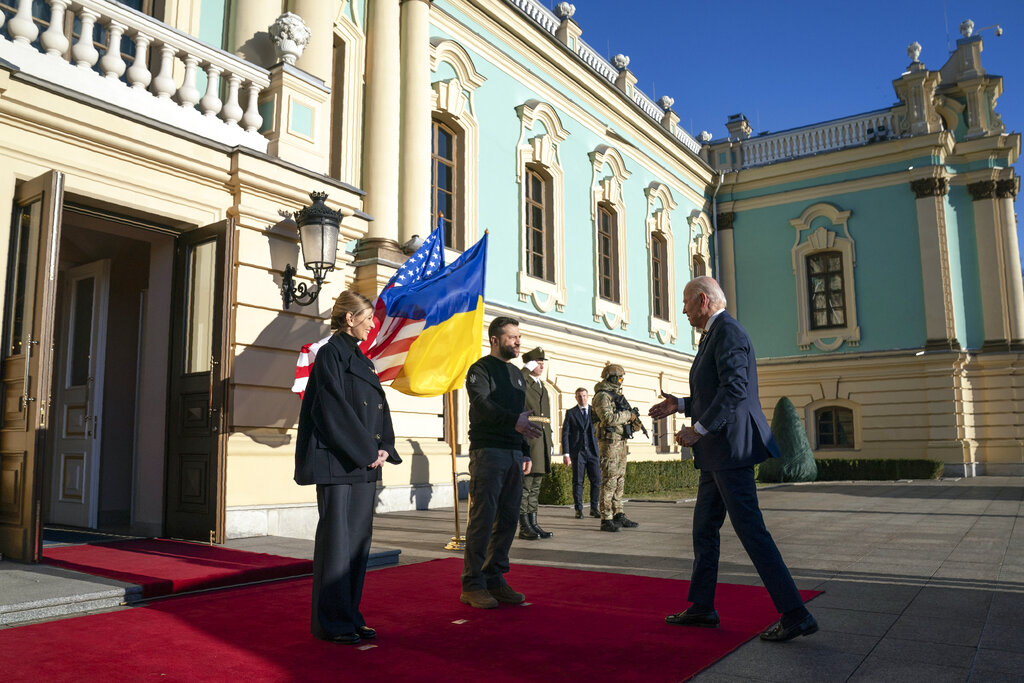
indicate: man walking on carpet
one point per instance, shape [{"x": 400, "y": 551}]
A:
[
  {"x": 579, "y": 447},
  {"x": 499, "y": 426},
  {"x": 728, "y": 437}
]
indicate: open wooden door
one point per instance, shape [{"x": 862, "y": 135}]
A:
[
  {"x": 196, "y": 403},
  {"x": 27, "y": 362}
]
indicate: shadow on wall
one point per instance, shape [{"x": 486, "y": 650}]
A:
[
  {"x": 263, "y": 406},
  {"x": 419, "y": 496}
]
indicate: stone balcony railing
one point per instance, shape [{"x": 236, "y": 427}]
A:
[
  {"x": 129, "y": 61},
  {"x": 830, "y": 136},
  {"x": 547, "y": 21}
]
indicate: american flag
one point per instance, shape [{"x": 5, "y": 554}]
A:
[{"x": 390, "y": 338}]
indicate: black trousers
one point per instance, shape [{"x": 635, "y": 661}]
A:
[
  {"x": 340, "y": 554},
  {"x": 733, "y": 491},
  {"x": 590, "y": 466},
  {"x": 495, "y": 490}
]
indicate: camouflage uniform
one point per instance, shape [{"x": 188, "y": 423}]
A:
[{"x": 611, "y": 447}]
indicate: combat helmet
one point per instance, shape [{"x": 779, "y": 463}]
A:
[{"x": 612, "y": 370}]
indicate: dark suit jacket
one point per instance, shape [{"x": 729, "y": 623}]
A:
[
  {"x": 539, "y": 402},
  {"x": 723, "y": 398},
  {"x": 344, "y": 419},
  {"x": 578, "y": 432}
]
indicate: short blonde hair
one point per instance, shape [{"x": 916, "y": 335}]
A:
[{"x": 347, "y": 302}]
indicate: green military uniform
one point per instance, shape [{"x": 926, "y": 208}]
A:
[
  {"x": 537, "y": 400},
  {"x": 611, "y": 447}
]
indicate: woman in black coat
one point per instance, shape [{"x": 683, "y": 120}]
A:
[{"x": 345, "y": 435}]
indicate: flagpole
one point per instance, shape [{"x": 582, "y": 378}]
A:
[{"x": 458, "y": 541}]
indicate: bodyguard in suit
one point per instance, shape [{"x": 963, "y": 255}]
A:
[
  {"x": 345, "y": 435},
  {"x": 579, "y": 446},
  {"x": 729, "y": 437},
  {"x": 539, "y": 402}
]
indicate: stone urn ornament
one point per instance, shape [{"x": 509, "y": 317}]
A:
[{"x": 290, "y": 35}]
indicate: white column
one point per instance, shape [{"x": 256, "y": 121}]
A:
[
  {"x": 414, "y": 156},
  {"x": 318, "y": 57},
  {"x": 380, "y": 156},
  {"x": 1006, "y": 192},
  {"x": 726, "y": 258},
  {"x": 249, "y": 22},
  {"x": 940, "y": 323}
]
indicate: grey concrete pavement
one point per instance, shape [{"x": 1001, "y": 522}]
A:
[{"x": 923, "y": 580}]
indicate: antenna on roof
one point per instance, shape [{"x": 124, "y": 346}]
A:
[{"x": 945, "y": 17}]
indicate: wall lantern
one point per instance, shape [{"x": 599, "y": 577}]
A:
[{"x": 318, "y": 239}]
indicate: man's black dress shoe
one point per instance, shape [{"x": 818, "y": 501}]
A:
[
  {"x": 366, "y": 633},
  {"x": 595, "y": 514},
  {"x": 701, "y": 619},
  {"x": 579, "y": 514},
  {"x": 778, "y": 634},
  {"x": 346, "y": 639}
]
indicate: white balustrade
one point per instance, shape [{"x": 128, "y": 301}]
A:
[
  {"x": 83, "y": 51},
  {"x": 104, "y": 73},
  {"x": 823, "y": 137},
  {"x": 21, "y": 28},
  {"x": 546, "y": 19},
  {"x": 112, "y": 64},
  {"x": 53, "y": 40}
]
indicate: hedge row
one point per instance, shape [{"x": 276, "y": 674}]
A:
[
  {"x": 645, "y": 477},
  {"x": 641, "y": 477}
]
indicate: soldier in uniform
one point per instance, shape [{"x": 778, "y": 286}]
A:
[
  {"x": 615, "y": 421},
  {"x": 537, "y": 401}
]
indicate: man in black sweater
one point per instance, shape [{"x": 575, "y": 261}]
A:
[{"x": 498, "y": 428}]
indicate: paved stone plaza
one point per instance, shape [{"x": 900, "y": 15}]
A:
[{"x": 923, "y": 580}]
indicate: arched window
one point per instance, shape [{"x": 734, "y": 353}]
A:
[
  {"x": 608, "y": 253},
  {"x": 444, "y": 183},
  {"x": 698, "y": 267},
  {"x": 539, "y": 236},
  {"x": 659, "y": 277},
  {"x": 833, "y": 427},
  {"x": 825, "y": 290}
]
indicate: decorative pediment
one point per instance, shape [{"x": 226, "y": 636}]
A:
[{"x": 453, "y": 54}]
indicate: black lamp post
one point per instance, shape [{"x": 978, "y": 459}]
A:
[{"x": 318, "y": 237}]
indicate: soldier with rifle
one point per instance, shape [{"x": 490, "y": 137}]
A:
[{"x": 616, "y": 423}]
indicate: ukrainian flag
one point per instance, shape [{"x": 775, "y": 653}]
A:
[{"x": 446, "y": 314}]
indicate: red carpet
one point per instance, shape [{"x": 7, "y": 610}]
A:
[
  {"x": 580, "y": 626},
  {"x": 162, "y": 566}
]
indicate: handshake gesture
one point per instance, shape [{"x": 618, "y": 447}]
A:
[{"x": 687, "y": 436}]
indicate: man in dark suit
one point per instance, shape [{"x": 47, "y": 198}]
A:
[
  {"x": 579, "y": 446},
  {"x": 729, "y": 437}
]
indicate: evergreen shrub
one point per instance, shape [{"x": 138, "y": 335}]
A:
[{"x": 797, "y": 460}]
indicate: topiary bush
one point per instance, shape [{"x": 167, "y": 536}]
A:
[{"x": 797, "y": 461}]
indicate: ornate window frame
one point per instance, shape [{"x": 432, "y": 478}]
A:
[
  {"x": 658, "y": 221},
  {"x": 348, "y": 31},
  {"x": 812, "y": 424},
  {"x": 541, "y": 151},
  {"x": 822, "y": 239},
  {"x": 607, "y": 189},
  {"x": 698, "y": 247},
  {"x": 454, "y": 106}
]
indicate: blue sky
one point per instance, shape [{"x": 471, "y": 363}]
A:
[{"x": 796, "y": 62}]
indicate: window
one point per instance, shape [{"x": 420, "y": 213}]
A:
[
  {"x": 455, "y": 143},
  {"x": 443, "y": 181},
  {"x": 661, "y": 435},
  {"x": 825, "y": 290},
  {"x": 607, "y": 254},
  {"x": 824, "y": 258},
  {"x": 541, "y": 181},
  {"x": 659, "y": 277},
  {"x": 661, "y": 318},
  {"x": 538, "y": 234},
  {"x": 698, "y": 268},
  {"x": 834, "y": 427}
]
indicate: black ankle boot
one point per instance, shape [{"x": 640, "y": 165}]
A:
[
  {"x": 526, "y": 530},
  {"x": 624, "y": 521},
  {"x": 536, "y": 527}
]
